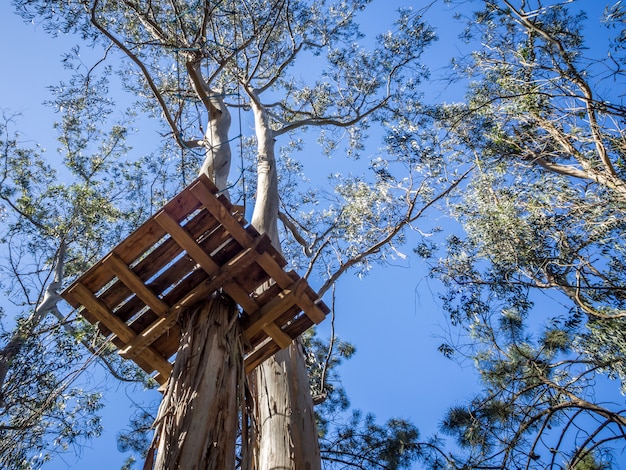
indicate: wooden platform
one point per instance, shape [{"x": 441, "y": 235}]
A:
[{"x": 196, "y": 244}]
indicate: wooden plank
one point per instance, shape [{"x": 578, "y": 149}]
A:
[
  {"x": 208, "y": 183},
  {"x": 240, "y": 267},
  {"x": 297, "y": 326},
  {"x": 169, "y": 342},
  {"x": 272, "y": 268},
  {"x": 282, "y": 321},
  {"x": 203, "y": 290},
  {"x": 155, "y": 359},
  {"x": 241, "y": 296},
  {"x": 310, "y": 309},
  {"x": 94, "y": 278},
  {"x": 143, "y": 238},
  {"x": 275, "y": 254},
  {"x": 258, "y": 356},
  {"x": 238, "y": 263},
  {"x": 185, "y": 241},
  {"x": 117, "y": 326},
  {"x": 277, "y": 335},
  {"x": 147, "y": 368},
  {"x": 102, "y": 313},
  {"x": 221, "y": 213},
  {"x": 134, "y": 283},
  {"x": 272, "y": 310},
  {"x": 305, "y": 303},
  {"x": 284, "y": 280},
  {"x": 138, "y": 242},
  {"x": 182, "y": 205},
  {"x": 144, "y": 339},
  {"x": 160, "y": 258}
]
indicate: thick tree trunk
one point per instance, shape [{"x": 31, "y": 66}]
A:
[
  {"x": 284, "y": 412},
  {"x": 196, "y": 427},
  {"x": 287, "y": 435}
]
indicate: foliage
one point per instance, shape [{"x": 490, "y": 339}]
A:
[
  {"x": 361, "y": 443},
  {"x": 57, "y": 218},
  {"x": 537, "y": 279},
  {"x": 192, "y": 65}
]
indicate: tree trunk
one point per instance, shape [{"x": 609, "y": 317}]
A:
[
  {"x": 216, "y": 164},
  {"x": 287, "y": 435},
  {"x": 21, "y": 334},
  {"x": 265, "y": 214},
  {"x": 196, "y": 427},
  {"x": 284, "y": 412}
]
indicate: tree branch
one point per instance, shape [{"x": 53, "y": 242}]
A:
[{"x": 155, "y": 91}]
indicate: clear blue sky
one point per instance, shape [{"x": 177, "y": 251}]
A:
[{"x": 391, "y": 315}]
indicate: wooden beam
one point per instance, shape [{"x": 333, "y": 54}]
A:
[
  {"x": 272, "y": 268},
  {"x": 118, "y": 327},
  {"x": 186, "y": 242},
  {"x": 259, "y": 355},
  {"x": 221, "y": 213},
  {"x": 285, "y": 281},
  {"x": 144, "y": 339},
  {"x": 310, "y": 309},
  {"x": 222, "y": 276},
  {"x": 278, "y": 336},
  {"x": 273, "y": 309},
  {"x": 135, "y": 284}
]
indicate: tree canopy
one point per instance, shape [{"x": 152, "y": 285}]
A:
[
  {"x": 260, "y": 96},
  {"x": 542, "y": 218}
]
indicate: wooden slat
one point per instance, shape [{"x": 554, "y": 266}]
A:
[
  {"x": 146, "y": 236},
  {"x": 117, "y": 326},
  {"x": 239, "y": 233},
  {"x": 138, "y": 242},
  {"x": 310, "y": 309},
  {"x": 226, "y": 276},
  {"x": 254, "y": 359},
  {"x": 273, "y": 309},
  {"x": 144, "y": 339},
  {"x": 232, "y": 256},
  {"x": 185, "y": 241},
  {"x": 284, "y": 280},
  {"x": 273, "y": 269},
  {"x": 134, "y": 283},
  {"x": 184, "y": 203},
  {"x": 277, "y": 335},
  {"x": 221, "y": 213},
  {"x": 162, "y": 325}
]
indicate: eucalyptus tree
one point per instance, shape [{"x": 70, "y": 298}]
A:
[
  {"x": 543, "y": 216},
  {"x": 295, "y": 65}
]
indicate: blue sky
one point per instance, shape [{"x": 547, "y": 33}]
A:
[{"x": 392, "y": 315}]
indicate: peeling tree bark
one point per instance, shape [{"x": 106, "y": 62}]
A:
[
  {"x": 196, "y": 426},
  {"x": 284, "y": 413}
]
